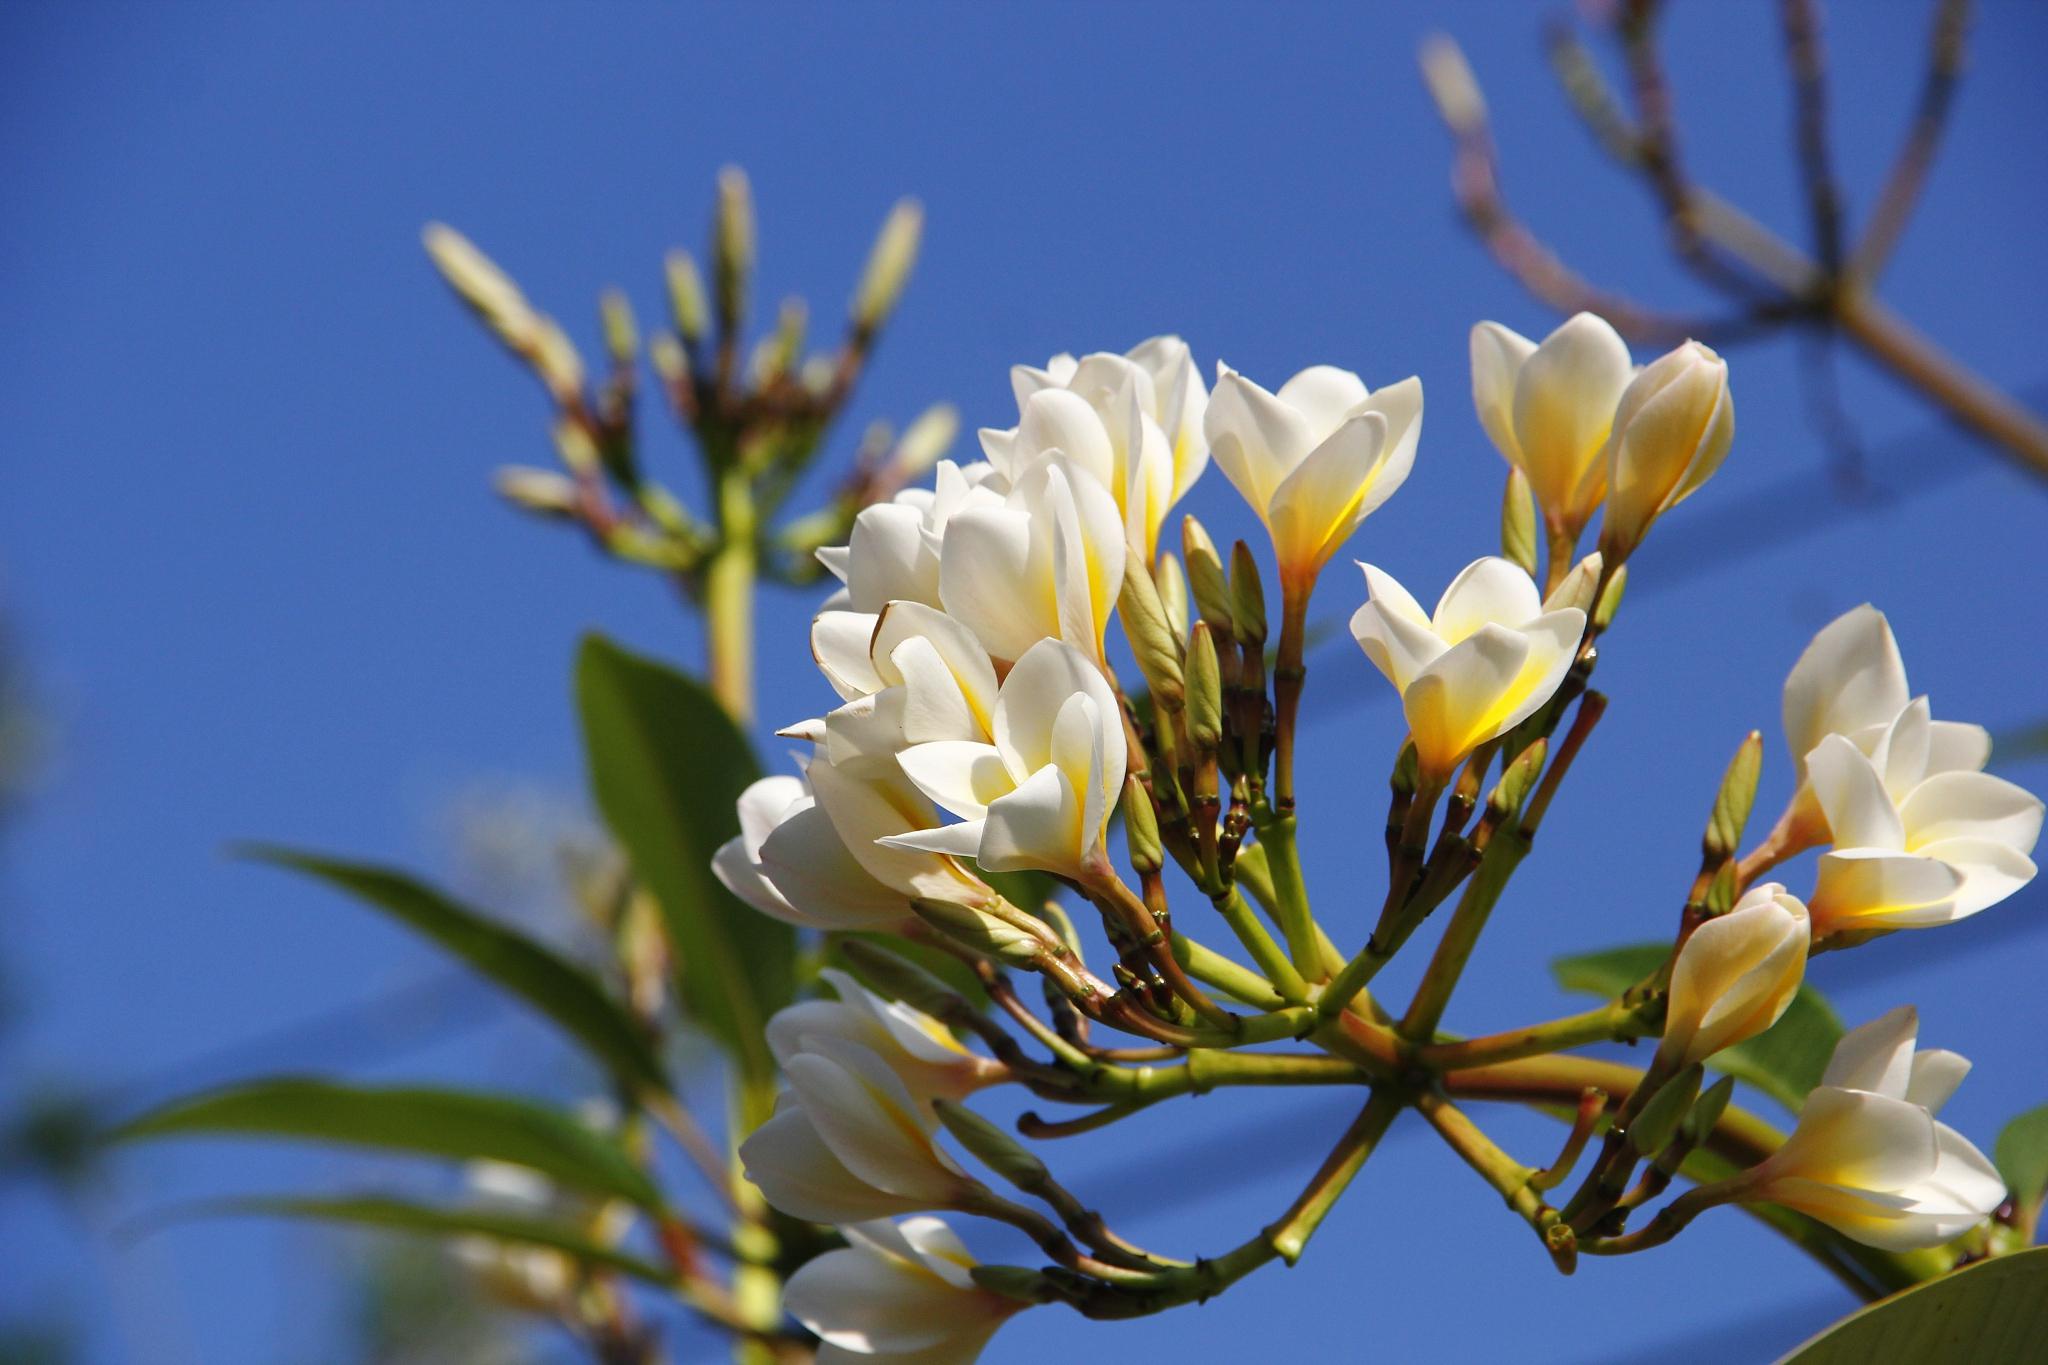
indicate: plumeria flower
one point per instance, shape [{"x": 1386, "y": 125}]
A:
[
  {"x": 892, "y": 555},
  {"x": 1549, "y": 408},
  {"x": 921, "y": 676},
  {"x": 1047, "y": 564},
  {"x": 1478, "y": 667},
  {"x": 900, "y": 1292},
  {"x": 1734, "y": 976},
  {"x": 1868, "y": 1157},
  {"x": 1133, "y": 421},
  {"x": 1315, "y": 459},
  {"x": 1672, "y": 429},
  {"x": 869, "y": 1122},
  {"x": 918, "y": 1048},
  {"x": 1041, "y": 794},
  {"x": 1914, "y": 846},
  {"x": 789, "y": 1161}
]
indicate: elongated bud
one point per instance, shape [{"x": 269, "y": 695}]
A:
[
  {"x": 1512, "y": 790},
  {"x": 1578, "y": 587},
  {"x": 1658, "y": 1123},
  {"x": 686, "y": 296},
  {"x": 733, "y": 245},
  {"x": 1707, "y": 1111},
  {"x": 1518, "y": 523},
  {"x": 1204, "y": 691},
  {"x": 578, "y": 451},
  {"x": 1407, "y": 769},
  {"x": 477, "y": 280},
  {"x": 671, "y": 364},
  {"x": 889, "y": 265},
  {"x": 1451, "y": 84},
  {"x": 1610, "y": 598},
  {"x": 621, "y": 333},
  {"x": 780, "y": 350},
  {"x": 1732, "y": 803},
  {"x": 558, "y": 364},
  {"x": 992, "y": 1146},
  {"x": 1173, "y": 593},
  {"x": 1247, "y": 597},
  {"x": 1672, "y": 429},
  {"x": 899, "y": 978},
  {"x": 981, "y": 931},
  {"x": 1153, "y": 642},
  {"x": 542, "y": 491},
  {"x": 1205, "y": 575},
  {"x": 924, "y": 442},
  {"x": 1141, "y": 829},
  {"x": 1735, "y": 975}
]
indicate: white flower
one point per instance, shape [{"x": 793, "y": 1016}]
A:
[
  {"x": 1672, "y": 429},
  {"x": 1735, "y": 976},
  {"x": 1041, "y": 794},
  {"x": 855, "y": 1144},
  {"x": 1549, "y": 408},
  {"x": 1868, "y": 1157},
  {"x": 1476, "y": 669},
  {"x": 1047, "y": 564},
  {"x": 1133, "y": 421},
  {"x": 918, "y": 1048},
  {"x": 923, "y": 677},
  {"x": 1915, "y": 845},
  {"x": 1315, "y": 459},
  {"x": 898, "y": 1292}
]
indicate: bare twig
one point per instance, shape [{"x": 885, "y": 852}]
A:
[
  {"x": 1930, "y": 119},
  {"x": 1810, "y": 96}
]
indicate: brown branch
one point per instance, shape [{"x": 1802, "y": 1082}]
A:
[
  {"x": 1908, "y": 174},
  {"x": 1808, "y": 59}
]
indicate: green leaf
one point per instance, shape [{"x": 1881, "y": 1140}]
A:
[
  {"x": 1785, "y": 1061},
  {"x": 1993, "y": 1310},
  {"x": 2022, "y": 1156},
  {"x": 559, "y": 989},
  {"x": 459, "y": 1125},
  {"x": 513, "y": 1229},
  {"x": 667, "y": 766}
]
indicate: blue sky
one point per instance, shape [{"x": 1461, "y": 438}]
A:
[{"x": 248, "y": 544}]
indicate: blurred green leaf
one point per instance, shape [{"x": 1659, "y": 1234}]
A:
[
  {"x": 499, "y": 1225},
  {"x": 2022, "y": 1156},
  {"x": 667, "y": 766},
  {"x": 1785, "y": 1061},
  {"x": 461, "y": 1125},
  {"x": 1993, "y": 1310},
  {"x": 556, "y": 987}
]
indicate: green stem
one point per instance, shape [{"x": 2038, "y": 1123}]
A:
[
  {"x": 1269, "y": 956},
  {"x": 1461, "y": 936},
  {"x": 1213, "y": 969},
  {"x": 1291, "y": 907},
  {"x": 1609, "y": 1023},
  {"x": 1508, "y": 1177}
]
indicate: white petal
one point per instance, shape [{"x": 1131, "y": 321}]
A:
[
  {"x": 1565, "y": 396},
  {"x": 1878, "y": 1056},
  {"x": 888, "y": 558},
  {"x": 870, "y": 1305},
  {"x": 840, "y": 643},
  {"x": 1401, "y": 404},
  {"x": 1324, "y": 395},
  {"x": 1036, "y": 826},
  {"x": 1849, "y": 677},
  {"x": 1491, "y": 590},
  {"x": 961, "y": 775},
  {"x": 1990, "y": 871},
  {"x": 987, "y": 583},
  {"x": 1497, "y": 357},
  {"x": 798, "y": 1174},
  {"x": 1461, "y": 698},
  {"x": 1935, "y": 1074},
  {"x": 1255, "y": 439},
  {"x": 1316, "y": 507},
  {"x": 1869, "y": 888},
  {"x": 1859, "y": 810},
  {"x": 872, "y": 1123},
  {"x": 954, "y": 841},
  {"x": 1971, "y": 805},
  {"x": 1953, "y": 746},
  {"x": 1061, "y": 420},
  {"x": 1859, "y": 1139},
  {"x": 822, "y": 880},
  {"x": 1038, "y": 686},
  {"x": 1392, "y": 630}
]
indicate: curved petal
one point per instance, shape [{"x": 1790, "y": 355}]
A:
[
  {"x": 1953, "y": 746},
  {"x": 1859, "y": 811},
  {"x": 797, "y": 1173},
  {"x": 840, "y": 643},
  {"x": 987, "y": 580},
  {"x": 1392, "y": 630},
  {"x": 1990, "y": 871},
  {"x": 1971, "y": 805},
  {"x": 869, "y": 1119},
  {"x": 1849, "y": 677},
  {"x": 1859, "y": 1140},
  {"x": 1315, "y": 508},
  {"x": 1497, "y": 358},
  {"x": 1456, "y": 702},
  {"x": 1254, "y": 438},
  {"x": 1565, "y": 396},
  {"x": 887, "y": 558},
  {"x": 1062, "y": 420},
  {"x": 1038, "y": 686},
  {"x": 1401, "y": 404},
  {"x": 1870, "y": 888},
  {"x": 961, "y": 775},
  {"x": 871, "y": 1305},
  {"x": 1490, "y": 590},
  {"x": 1036, "y": 826},
  {"x": 1934, "y": 1076},
  {"x": 1324, "y": 395},
  {"x": 822, "y": 881},
  {"x": 1877, "y": 1056},
  {"x": 952, "y": 642}
]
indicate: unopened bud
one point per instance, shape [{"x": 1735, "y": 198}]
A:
[
  {"x": 1247, "y": 598},
  {"x": 1672, "y": 429},
  {"x": 779, "y": 352},
  {"x": 993, "y": 1147},
  {"x": 671, "y": 364},
  {"x": 1610, "y": 598},
  {"x": 1173, "y": 593},
  {"x": 1204, "y": 691},
  {"x": 982, "y": 931},
  {"x": 889, "y": 264},
  {"x": 899, "y": 978},
  {"x": 537, "y": 490},
  {"x": 1654, "y": 1128},
  {"x": 1518, "y": 522},
  {"x": 732, "y": 240},
  {"x": 1577, "y": 587},
  {"x": 1153, "y": 643},
  {"x": 1141, "y": 829},
  {"x": 556, "y": 360},
  {"x": 479, "y": 282},
  {"x": 1451, "y": 84},
  {"x": 686, "y": 296},
  {"x": 1205, "y": 575},
  {"x": 574, "y": 444},
  {"x": 1732, "y": 803},
  {"x": 621, "y": 333},
  {"x": 1512, "y": 790},
  {"x": 1707, "y": 1111},
  {"x": 925, "y": 442},
  {"x": 1407, "y": 769}
]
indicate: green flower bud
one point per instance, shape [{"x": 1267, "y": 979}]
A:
[
  {"x": 1204, "y": 691},
  {"x": 1153, "y": 642},
  {"x": 1732, "y": 803},
  {"x": 1512, "y": 790},
  {"x": 1205, "y": 575},
  {"x": 1247, "y": 597},
  {"x": 621, "y": 333},
  {"x": 1518, "y": 522},
  {"x": 982, "y": 931},
  {"x": 1610, "y": 599},
  {"x": 1141, "y": 828},
  {"x": 899, "y": 978},
  {"x": 732, "y": 241},
  {"x": 1173, "y": 593},
  {"x": 992, "y": 1146},
  {"x": 1658, "y": 1123},
  {"x": 686, "y": 296},
  {"x": 541, "y": 491},
  {"x": 889, "y": 265},
  {"x": 1705, "y": 1113}
]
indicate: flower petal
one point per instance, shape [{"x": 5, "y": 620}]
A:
[
  {"x": 1324, "y": 396},
  {"x": 1878, "y": 1056},
  {"x": 1490, "y": 590},
  {"x": 1849, "y": 677},
  {"x": 1497, "y": 358},
  {"x": 1859, "y": 811}
]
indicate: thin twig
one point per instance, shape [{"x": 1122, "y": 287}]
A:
[{"x": 1908, "y": 174}]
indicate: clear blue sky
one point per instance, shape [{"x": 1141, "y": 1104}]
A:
[{"x": 247, "y": 543}]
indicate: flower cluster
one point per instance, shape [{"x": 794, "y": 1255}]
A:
[{"x": 981, "y": 731}]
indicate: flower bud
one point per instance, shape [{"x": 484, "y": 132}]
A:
[
  {"x": 621, "y": 334},
  {"x": 899, "y": 978},
  {"x": 1512, "y": 790},
  {"x": 1173, "y": 594},
  {"x": 732, "y": 236},
  {"x": 480, "y": 284},
  {"x": 1153, "y": 641},
  {"x": 924, "y": 442},
  {"x": 1518, "y": 524},
  {"x": 1205, "y": 575},
  {"x": 1735, "y": 975},
  {"x": 671, "y": 364},
  {"x": 686, "y": 296},
  {"x": 889, "y": 264},
  {"x": 1141, "y": 828},
  {"x": 1577, "y": 589},
  {"x": 1610, "y": 598},
  {"x": 992, "y": 1146},
  {"x": 982, "y": 931},
  {"x": 1205, "y": 691},
  {"x": 1658, "y": 1123},
  {"x": 537, "y": 490},
  {"x": 1672, "y": 429},
  {"x": 1707, "y": 1111},
  {"x": 1247, "y": 597},
  {"x": 1732, "y": 802}
]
